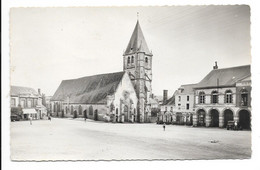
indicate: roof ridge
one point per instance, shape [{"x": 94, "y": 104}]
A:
[
  {"x": 95, "y": 75},
  {"x": 21, "y": 86},
  {"x": 189, "y": 84},
  {"x": 232, "y": 67}
]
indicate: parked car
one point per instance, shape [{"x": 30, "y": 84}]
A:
[
  {"x": 15, "y": 117},
  {"x": 231, "y": 125}
]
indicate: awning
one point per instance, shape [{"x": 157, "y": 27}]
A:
[{"x": 29, "y": 111}]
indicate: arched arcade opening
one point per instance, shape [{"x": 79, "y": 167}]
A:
[
  {"x": 244, "y": 119},
  {"x": 228, "y": 116}
]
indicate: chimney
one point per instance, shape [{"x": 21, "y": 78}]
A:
[
  {"x": 216, "y": 66},
  {"x": 39, "y": 92},
  {"x": 165, "y": 95}
]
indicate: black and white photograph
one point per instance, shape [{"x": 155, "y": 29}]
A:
[{"x": 131, "y": 83}]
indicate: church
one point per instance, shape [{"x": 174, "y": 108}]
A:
[{"x": 114, "y": 97}]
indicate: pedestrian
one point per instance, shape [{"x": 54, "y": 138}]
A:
[
  {"x": 49, "y": 118},
  {"x": 85, "y": 119},
  {"x": 30, "y": 120},
  {"x": 164, "y": 127},
  {"x": 235, "y": 124}
]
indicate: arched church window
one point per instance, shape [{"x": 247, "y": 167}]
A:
[
  {"x": 128, "y": 60},
  {"x": 71, "y": 110},
  {"x": 146, "y": 59},
  {"x": 91, "y": 110},
  {"x": 228, "y": 96},
  {"x": 80, "y": 110},
  {"x": 132, "y": 60}
]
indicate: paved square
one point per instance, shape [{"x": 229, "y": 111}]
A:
[{"x": 65, "y": 139}]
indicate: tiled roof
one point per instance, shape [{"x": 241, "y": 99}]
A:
[
  {"x": 90, "y": 89},
  {"x": 186, "y": 89},
  {"x": 137, "y": 42},
  {"x": 224, "y": 77},
  {"x": 17, "y": 90},
  {"x": 170, "y": 101}
]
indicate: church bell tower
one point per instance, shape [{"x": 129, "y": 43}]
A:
[{"x": 138, "y": 63}]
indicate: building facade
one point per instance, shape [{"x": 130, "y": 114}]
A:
[
  {"x": 29, "y": 100},
  {"x": 166, "y": 114},
  {"x": 224, "y": 95},
  {"x": 105, "y": 97},
  {"x": 184, "y": 104}
]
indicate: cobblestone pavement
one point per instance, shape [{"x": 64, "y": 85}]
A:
[{"x": 65, "y": 139}]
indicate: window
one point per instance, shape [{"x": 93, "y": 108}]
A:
[
  {"x": 165, "y": 108},
  {"x": 132, "y": 60},
  {"x": 188, "y": 98},
  {"x": 244, "y": 97},
  {"x": 187, "y": 106},
  {"x": 58, "y": 107},
  {"x": 179, "y": 98},
  {"x": 22, "y": 103},
  {"x": 29, "y": 103},
  {"x": 201, "y": 97},
  {"x": 228, "y": 96},
  {"x": 171, "y": 108},
  {"x": 214, "y": 97},
  {"x": 91, "y": 110},
  {"x": 80, "y": 110},
  {"x": 71, "y": 110},
  {"x": 128, "y": 60},
  {"x": 12, "y": 102},
  {"x": 146, "y": 59}
]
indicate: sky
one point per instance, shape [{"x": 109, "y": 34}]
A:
[{"x": 48, "y": 45}]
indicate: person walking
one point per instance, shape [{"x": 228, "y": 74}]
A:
[
  {"x": 30, "y": 120},
  {"x": 235, "y": 126},
  {"x": 164, "y": 127}
]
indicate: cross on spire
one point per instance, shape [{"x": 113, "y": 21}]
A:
[{"x": 137, "y": 16}]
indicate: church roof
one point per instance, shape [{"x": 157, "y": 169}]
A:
[
  {"x": 224, "y": 77},
  {"x": 88, "y": 90},
  {"x": 137, "y": 42},
  {"x": 17, "y": 90}
]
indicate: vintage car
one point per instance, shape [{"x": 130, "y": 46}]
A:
[
  {"x": 15, "y": 117},
  {"x": 231, "y": 126}
]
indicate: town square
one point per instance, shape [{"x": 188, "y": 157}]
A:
[
  {"x": 77, "y": 139},
  {"x": 131, "y": 83}
]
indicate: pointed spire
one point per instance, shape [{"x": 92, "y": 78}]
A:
[{"x": 137, "y": 42}]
